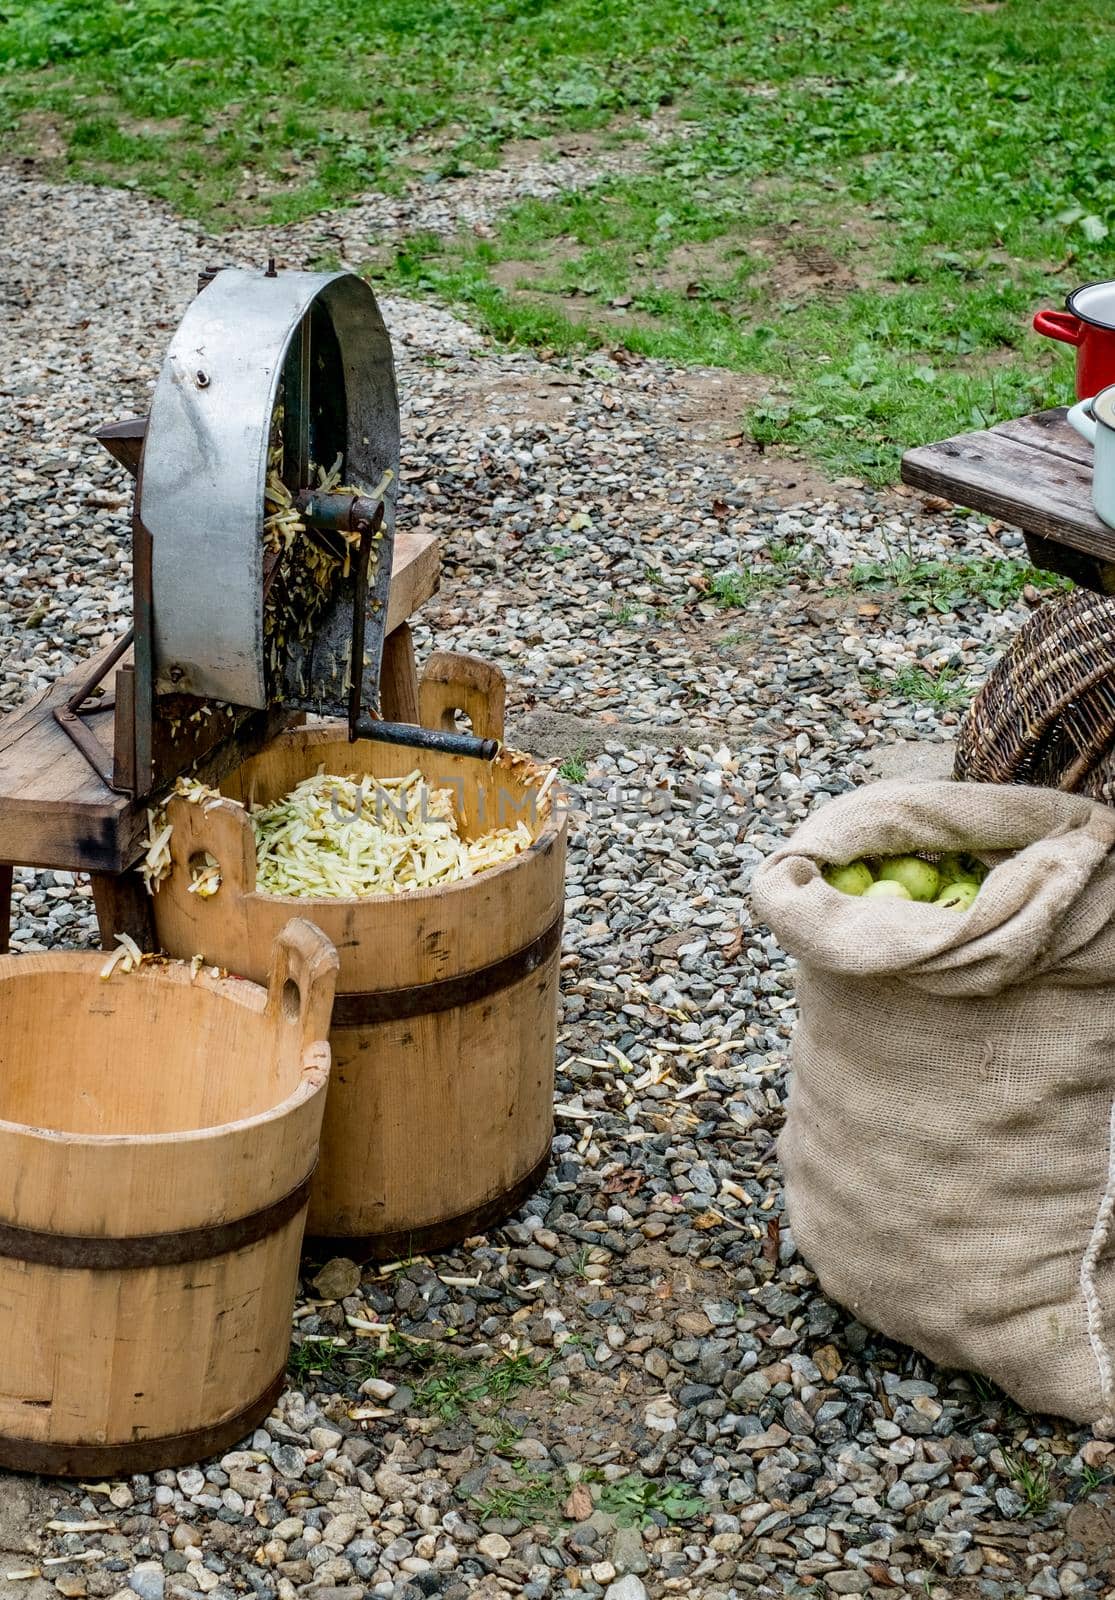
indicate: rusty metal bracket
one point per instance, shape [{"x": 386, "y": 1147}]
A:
[{"x": 69, "y": 716}]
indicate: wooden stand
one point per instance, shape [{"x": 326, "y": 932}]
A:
[
  {"x": 56, "y": 812},
  {"x": 1035, "y": 473}
]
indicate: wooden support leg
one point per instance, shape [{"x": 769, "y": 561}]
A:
[
  {"x": 123, "y": 906},
  {"x": 5, "y": 907},
  {"x": 398, "y": 678}
]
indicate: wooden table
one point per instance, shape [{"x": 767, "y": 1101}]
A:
[
  {"x": 56, "y": 812},
  {"x": 1035, "y": 473}
]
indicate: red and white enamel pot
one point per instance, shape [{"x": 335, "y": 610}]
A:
[{"x": 1089, "y": 324}]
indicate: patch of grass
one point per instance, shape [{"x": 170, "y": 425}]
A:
[
  {"x": 925, "y": 585},
  {"x": 574, "y": 768},
  {"x": 444, "y": 1383},
  {"x": 1032, "y": 1477},
  {"x": 580, "y": 1261},
  {"x": 535, "y": 1498},
  {"x": 505, "y": 1434},
  {"x": 320, "y": 1359},
  {"x": 984, "y": 1390},
  {"x": 944, "y": 690},
  {"x": 1093, "y": 1478},
  {"x": 633, "y": 1498},
  {"x": 861, "y": 204},
  {"x": 455, "y": 1386},
  {"x": 733, "y": 590}
]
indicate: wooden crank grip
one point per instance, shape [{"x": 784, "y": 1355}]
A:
[
  {"x": 453, "y": 681},
  {"x": 221, "y": 827},
  {"x": 304, "y": 965}
]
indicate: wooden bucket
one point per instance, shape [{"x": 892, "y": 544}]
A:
[
  {"x": 440, "y": 1109},
  {"x": 158, "y": 1133}
]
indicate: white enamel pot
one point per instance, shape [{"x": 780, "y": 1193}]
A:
[{"x": 1095, "y": 420}]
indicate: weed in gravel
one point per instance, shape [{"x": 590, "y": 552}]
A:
[
  {"x": 318, "y": 1358},
  {"x": 633, "y": 1499},
  {"x": 443, "y": 1382},
  {"x": 535, "y": 1498},
  {"x": 923, "y": 584},
  {"x": 581, "y": 1260},
  {"x": 455, "y": 1386},
  {"x": 574, "y": 768},
  {"x": 1032, "y": 1477},
  {"x": 504, "y": 1435},
  {"x": 944, "y": 690},
  {"x": 736, "y": 589},
  {"x": 1093, "y": 1478}
]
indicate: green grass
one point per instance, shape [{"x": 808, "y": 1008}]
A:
[
  {"x": 574, "y": 769},
  {"x": 920, "y": 584},
  {"x": 456, "y": 1386},
  {"x": 444, "y": 1383},
  {"x": 1093, "y": 1478},
  {"x": 860, "y": 204},
  {"x": 931, "y": 585},
  {"x": 734, "y": 589},
  {"x": 1032, "y": 1477},
  {"x": 535, "y": 1497},
  {"x": 633, "y": 1498},
  {"x": 944, "y": 690}
]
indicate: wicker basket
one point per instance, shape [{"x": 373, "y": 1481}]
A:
[{"x": 1046, "y": 715}]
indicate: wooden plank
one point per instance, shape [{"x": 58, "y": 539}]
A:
[
  {"x": 56, "y": 812},
  {"x": 1049, "y": 495},
  {"x": 1049, "y": 432},
  {"x": 398, "y": 677},
  {"x": 123, "y": 906},
  {"x": 1085, "y": 571},
  {"x": 415, "y": 576}
]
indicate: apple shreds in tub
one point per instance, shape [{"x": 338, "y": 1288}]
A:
[{"x": 336, "y": 837}]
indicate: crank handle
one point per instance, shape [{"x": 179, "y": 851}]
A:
[{"x": 448, "y": 743}]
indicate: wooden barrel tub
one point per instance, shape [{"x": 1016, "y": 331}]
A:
[
  {"x": 440, "y": 1109},
  {"x": 158, "y": 1132}
]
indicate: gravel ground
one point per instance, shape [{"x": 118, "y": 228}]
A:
[{"x": 635, "y": 1387}]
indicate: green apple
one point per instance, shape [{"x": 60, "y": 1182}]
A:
[
  {"x": 952, "y": 868},
  {"x": 887, "y": 889},
  {"x": 958, "y": 896},
  {"x": 919, "y": 878},
  {"x": 852, "y": 879},
  {"x": 959, "y": 868}
]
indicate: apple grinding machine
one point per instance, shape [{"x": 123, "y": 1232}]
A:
[{"x": 263, "y": 527}]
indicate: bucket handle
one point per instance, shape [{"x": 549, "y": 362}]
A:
[
  {"x": 453, "y": 681},
  {"x": 303, "y": 977},
  {"x": 1082, "y": 417},
  {"x": 224, "y": 830},
  {"x": 1062, "y": 325}
]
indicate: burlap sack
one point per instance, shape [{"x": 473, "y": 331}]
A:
[{"x": 948, "y": 1152}]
